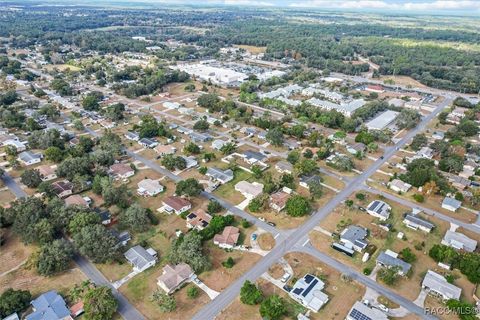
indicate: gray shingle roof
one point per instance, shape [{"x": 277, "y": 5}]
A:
[{"x": 389, "y": 261}]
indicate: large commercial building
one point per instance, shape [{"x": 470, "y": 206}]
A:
[{"x": 382, "y": 121}]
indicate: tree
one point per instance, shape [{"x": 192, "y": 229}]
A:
[
  {"x": 257, "y": 203},
  {"x": 275, "y": 136},
  {"x": 96, "y": 243},
  {"x": 192, "y": 292},
  {"x": 273, "y": 308},
  {"x": 298, "y": 206},
  {"x": 420, "y": 140},
  {"x": 257, "y": 171},
  {"x": 188, "y": 248},
  {"x": 165, "y": 302},
  {"x": 208, "y": 101},
  {"x": 54, "y": 257},
  {"x": 408, "y": 118},
  {"x": 189, "y": 187},
  {"x": 192, "y": 148},
  {"x": 315, "y": 188},
  {"x": 464, "y": 310},
  {"x": 228, "y": 148},
  {"x": 82, "y": 219},
  {"x": 229, "y": 263},
  {"x": 31, "y": 178},
  {"x": 54, "y": 154},
  {"x": 201, "y": 125},
  {"x": 293, "y": 157},
  {"x": 14, "y": 301},
  {"x": 250, "y": 294},
  {"x": 388, "y": 275},
  {"x": 407, "y": 255},
  {"x": 135, "y": 217},
  {"x": 100, "y": 303},
  {"x": 214, "y": 206},
  {"x": 190, "y": 87},
  {"x": 90, "y": 103},
  {"x": 305, "y": 166}
]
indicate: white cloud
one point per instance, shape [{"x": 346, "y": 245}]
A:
[
  {"x": 248, "y": 3},
  {"x": 381, "y": 4}
]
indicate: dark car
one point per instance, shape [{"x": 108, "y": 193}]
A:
[{"x": 271, "y": 223}]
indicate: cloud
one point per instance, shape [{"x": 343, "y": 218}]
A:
[
  {"x": 248, "y": 3},
  {"x": 382, "y": 4}
]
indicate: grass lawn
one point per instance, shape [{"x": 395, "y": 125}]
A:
[{"x": 228, "y": 192}]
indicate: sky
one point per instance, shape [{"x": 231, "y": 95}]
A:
[{"x": 403, "y": 5}]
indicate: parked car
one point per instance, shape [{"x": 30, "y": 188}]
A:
[
  {"x": 273, "y": 224},
  {"x": 285, "y": 277},
  {"x": 254, "y": 236}
]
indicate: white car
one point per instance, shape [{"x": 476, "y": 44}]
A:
[{"x": 285, "y": 277}]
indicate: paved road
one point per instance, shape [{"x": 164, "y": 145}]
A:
[
  {"x": 125, "y": 309},
  {"x": 13, "y": 186},
  {"x": 301, "y": 234},
  {"x": 474, "y": 227},
  {"x": 359, "y": 277}
]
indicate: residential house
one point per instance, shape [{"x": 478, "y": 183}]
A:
[
  {"x": 379, "y": 209},
  {"x": 389, "y": 259},
  {"x": 437, "y": 285},
  {"x": 228, "y": 238},
  {"x": 308, "y": 292},
  {"x": 190, "y": 162},
  {"x": 176, "y": 204},
  {"x": 140, "y": 258},
  {"x": 354, "y": 237},
  {"x": 459, "y": 182},
  {"x": 47, "y": 173},
  {"x": 278, "y": 200},
  {"x": 174, "y": 277},
  {"x": 76, "y": 200},
  {"x": 398, "y": 185},
  {"x": 218, "y": 144},
  {"x": 251, "y": 157},
  {"x": 375, "y": 88},
  {"x": 121, "y": 171},
  {"x": 414, "y": 222},
  {"x": 425, "y": 152},
  {"x": 62, "y": 188},
  {"x": 149, "y": 187},
  {"x": 147, "y": 143},
  {"x": 198, "y": 220},
  {"x": 438, "y": 135},
  {"x": 171, "y": 105},
  {"x": 396, "y": 102},
  {"x": 222, "y": 176},
  {"x": 104, "y": 215},
  {"x": 122, "y": 237},
  {"x": 360, "y": 311},
  {"x": 451, "y": 204},
  {"x": 306, "y": 181},
  {"x": 28, "y": 158},
  {"x": 49, "y": 306},
  {"x": 163, "y": 150},
  {"x": 77, "y": 309},
  {"x": 459, "y": 241},
  {"x": 19, "y": 145},
  {"x": 284, "y": 167},
  {"x": 249, "y": 131},
  {"x": 13, "y": 316},
  {"x": 130, "y": 135},
  {"x": 198, "y": 137},
  {"x": 357, "y": 148},
  {"x": 249, "y": 190}
]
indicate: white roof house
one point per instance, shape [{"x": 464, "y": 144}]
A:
[
  {"x": 28, "y": 158},
  {"x": 140, "y": 258},
  {"x": 149, "y": 187},
  {"x": 414, "y": 222},
  {"x": 451, "y": 204},
  {"x": 308, "y": 291},
  {"x": 382, "y": 121},
  {"x": 360, "y": 311},
  {"x": 222, "y": 176},
  {"x": 437, "y": 285},
  {"x": 171, "y": 105},
  {"x": 354, "y": 237},
  {"x": 389, "y": 259},
  {"x": 379, "y": 209},
  {"x": 459, "y": 241},
  {"x": 249, "y": 190},
  {"x": 398, "y": 185},
  {"x": 218, "y": 144}
]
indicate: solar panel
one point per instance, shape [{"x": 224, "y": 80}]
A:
[
  {"x": 357, "y": 315},
  {"x": 297, "y": 291},
  {"x": 308, "y": 278},
  {"x": 310, "y": 287}
]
